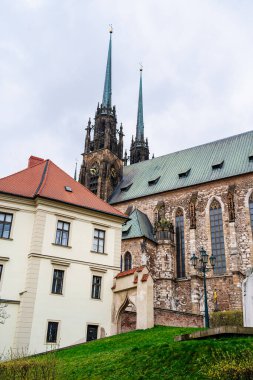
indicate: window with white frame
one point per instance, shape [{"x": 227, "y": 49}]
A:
[
  {"x": 62, "y": 233},
  {"x": 99, "y": 241},
  {"x": 52, "y": 331},
  {"x": 96, "y": 287},
  {"x": 5, "y": 225},
  {"x": 57, "y": 284}
]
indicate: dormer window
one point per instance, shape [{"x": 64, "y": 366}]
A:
[
  {"x": 126, "y": 188},
  {"x": 184, "y": 174},
  {"x": 251, "y": 157},
  {"x": 218, "y": 165},
  {"x": 153, "y": 181},
  {"x": 126, "y": 232},
  {"x": 68, "y": 188}
]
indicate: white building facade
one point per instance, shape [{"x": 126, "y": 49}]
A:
[{"x": 57, "y": 263}]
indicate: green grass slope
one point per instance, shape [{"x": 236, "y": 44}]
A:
[{"x": 149, "y": 354}]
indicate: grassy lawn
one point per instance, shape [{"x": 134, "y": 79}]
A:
[{"x": 150, "y": 354}]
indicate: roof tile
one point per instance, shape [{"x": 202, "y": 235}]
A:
[
  {"x": 234, "y": 151},
  {"x": 47, "y": 180}
]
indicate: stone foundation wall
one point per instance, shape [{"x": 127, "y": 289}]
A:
[{"x": 164, "y": 317}]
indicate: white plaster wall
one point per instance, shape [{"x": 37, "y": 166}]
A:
[
  {"x": 7, "y": 330},
  {"x": 33, "y": 233},
  {"x": 74, "y": 309},
  {"x": 13, "y": 279},
  {"x": 15, "y": 250},
  {"x": 81, "y": 237}
]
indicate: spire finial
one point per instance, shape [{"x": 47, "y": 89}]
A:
[
  {"x": 110, "y": 28},
  {"x": 107, "y": 95},
  {"x": 140, "y": 122}
]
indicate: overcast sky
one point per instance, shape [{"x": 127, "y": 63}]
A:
[{"x": 197, "y": 80}]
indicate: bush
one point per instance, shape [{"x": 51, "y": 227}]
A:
[
  {"x": 226, "y": 318},
  {"x": 228, "y": 365},
  {"x": 40, "y": 368}
]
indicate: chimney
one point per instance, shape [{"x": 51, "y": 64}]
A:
[{"x": 34, "y": 161}]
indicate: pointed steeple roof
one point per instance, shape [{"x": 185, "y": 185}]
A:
[
  {"x": 140, "y": 122},
  {"x": 107, "y": 95}
]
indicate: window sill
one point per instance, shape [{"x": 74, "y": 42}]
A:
[
  {"x": 51, "y": 343},
  {"x": 63, "y": 246},
  {"x": 95, "y": 299},
  {"x": 57, "y": 294},
  {"x": 3, "y": 238},
  {"x": 99, "y": 253}
]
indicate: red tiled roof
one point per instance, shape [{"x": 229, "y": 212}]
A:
[
  {"x": 130, "y": 271},
  {"x": 47, "y": 180},
  {"x": 135, "y": 281},
  {"x": 144, "y": 277}
]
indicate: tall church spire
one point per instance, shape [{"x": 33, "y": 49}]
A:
[
  {"x": 140, "y": 123},
  {"x": 102, "y": 165},
  {"x": 139, "y": 150},
  {"x": 107, "y": 95}
]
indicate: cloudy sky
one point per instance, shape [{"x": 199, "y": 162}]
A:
[{"x": 197, "y": 80}]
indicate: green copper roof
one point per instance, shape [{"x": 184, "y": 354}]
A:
[
  {"x": 140, "y": 122},
  {"x": 204, "y": 163},
  {"x": 107, "y": 95},
  {"x": 138, "y": 226}
]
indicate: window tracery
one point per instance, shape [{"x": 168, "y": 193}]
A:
[
  {"x": 217, "y": 237},
  {"x": 180, "y": 243}
]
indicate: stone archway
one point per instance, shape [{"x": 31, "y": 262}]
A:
[
  {"x": 127, "y": 317},
  {"x": 133, "y": 306}
]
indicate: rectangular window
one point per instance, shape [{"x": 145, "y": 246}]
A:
[
  {"x": 92, "y": 333},
  {"x": 5, "y": 225},
  {"x": 1, "y": 271},
  {"x": 52, "y": 329},
  {"x": 99, "y": 241},
  {"x": 62, "y": 233},
  {"x": 57, "y": 281},
  {"x": 96, "y": 287}
]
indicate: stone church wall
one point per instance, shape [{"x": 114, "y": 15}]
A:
[{"x": 186, "y": 295}]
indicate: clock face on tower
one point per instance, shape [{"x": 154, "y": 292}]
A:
[
  {"x": 113, "y": 173},
  {"x": 94, "y": 170}
]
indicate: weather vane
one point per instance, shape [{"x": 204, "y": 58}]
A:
[
  {"x": 141, "y": 66},
  {"x": 110, "y": 28}
]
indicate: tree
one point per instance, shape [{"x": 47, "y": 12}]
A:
[{"x": 3, "y": 313}]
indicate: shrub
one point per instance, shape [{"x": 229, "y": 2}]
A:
[
  {"x": 228, "y": 365},
  {"x": 39, "y": 368},
  {"x": 226, "y": 318}
]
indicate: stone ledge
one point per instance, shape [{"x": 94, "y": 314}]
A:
[{"x": 218, "y": 332}]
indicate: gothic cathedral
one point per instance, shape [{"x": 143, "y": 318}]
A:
[{"x": 102, "y": 167}]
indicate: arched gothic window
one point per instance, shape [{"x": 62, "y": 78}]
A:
[
  {"x": 217, "y": 237},
  {"x": 251, "y": 210},
  {"x": 180, "y": 247},
  {"x": 127, "y": 261}
]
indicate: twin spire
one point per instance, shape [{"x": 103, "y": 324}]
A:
[
  {"x": 139, "y": 144},
  {"x": 140, "y": 123},
  {"x": 107, "y": 96}
]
